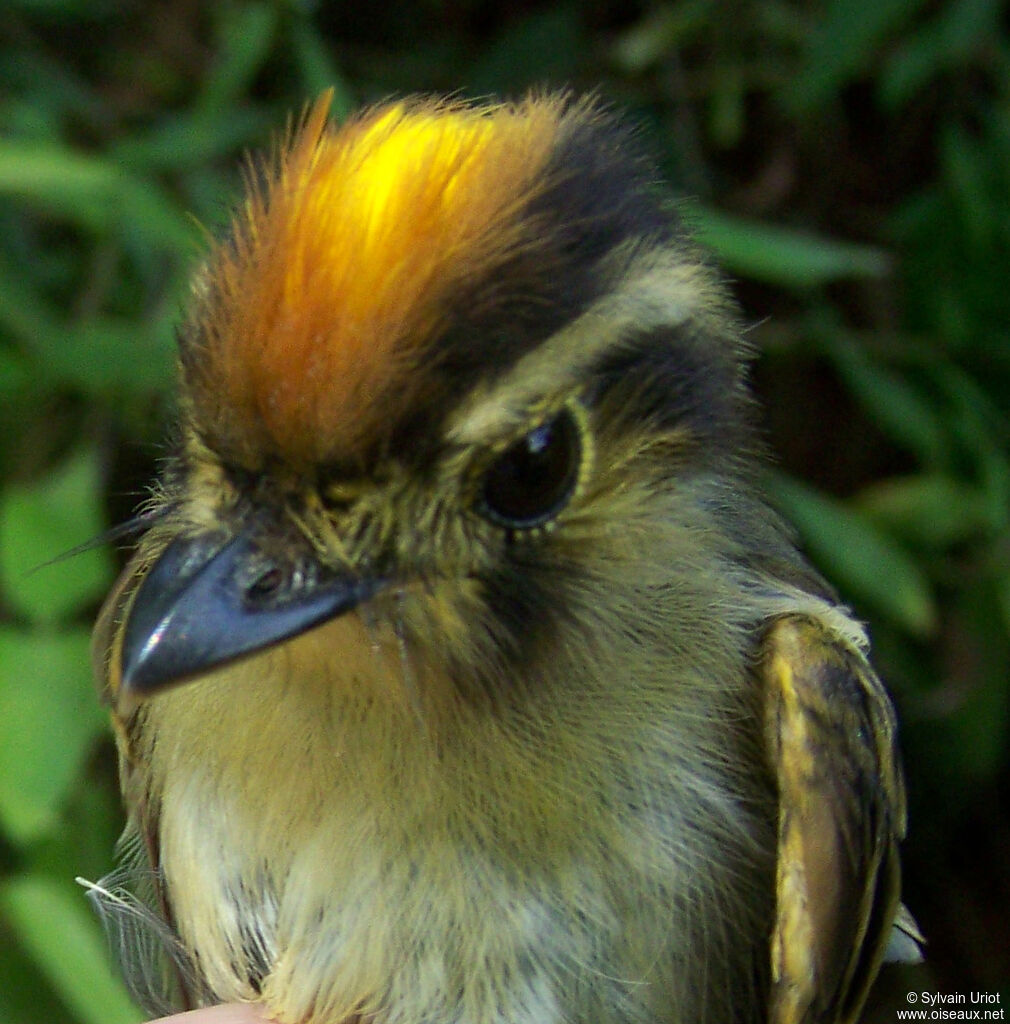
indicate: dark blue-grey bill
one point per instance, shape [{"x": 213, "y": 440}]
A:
[{"x": 199, "y": 607}]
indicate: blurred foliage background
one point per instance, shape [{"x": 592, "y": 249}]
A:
[{"x": 848, "y": 160}]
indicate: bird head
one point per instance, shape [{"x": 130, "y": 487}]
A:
[{"x": 455, "y": 371}]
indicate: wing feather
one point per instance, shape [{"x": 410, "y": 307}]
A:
[{"x": 831, "y": 736}]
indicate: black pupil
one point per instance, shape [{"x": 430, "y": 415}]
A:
[{"x": 534, "y": 478}]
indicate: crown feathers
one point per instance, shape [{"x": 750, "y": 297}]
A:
[{"x": 317, "y": 315}]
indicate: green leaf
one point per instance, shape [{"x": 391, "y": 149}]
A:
[
  {"x": 945, "y": 42},
  {"x": 661, "y": 30},
  {"x": 90, "y": 824},
  {"x": 49, "y": 717},
  {"x": 726, "y": 107},
  {"x": 868, "y": 565},
  {"x": 25, "y": 995},
  {"x": 65, "y": 8},
  {"x": 1003, "y": 598},
  {"x": 188, "y": 141},
  {"x": 542, "y": 46},
  {"x": 901, "y": 410},
  {"x": 245, "y": 34},
  {"x": 101, "y": 355},
  {"x": 319, "y": 70},
  {"x": 93, "y": 191},
  {"x": 781, "y": 256},
  {"x": 979, "y": 723},
  {"x": 45, "y": 172},
  {"x": 116, "y": 355},
  {"x": 15, "y": 373},
  {"x": 845, "y": 43},
  {"x": 28, "y": 317},
  {"x": 977, "y": 423},
  {"x": 965, "y": 175},
  {"x": 932, "y": 510},
  {"x": 53, "y": 924},
  {"x": 46, "y": 519}
]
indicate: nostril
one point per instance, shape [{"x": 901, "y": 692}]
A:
[{"x": 265, "y": 586}]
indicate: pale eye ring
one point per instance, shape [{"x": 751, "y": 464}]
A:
[{"x": 533, "y": 479}]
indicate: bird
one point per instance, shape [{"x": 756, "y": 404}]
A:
[{"x": 462, "y": 673}]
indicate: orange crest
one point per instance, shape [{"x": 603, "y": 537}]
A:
[{"x": 324, "y": 303}]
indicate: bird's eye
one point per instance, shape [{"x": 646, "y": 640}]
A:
[{"x": 530, "y": 482}]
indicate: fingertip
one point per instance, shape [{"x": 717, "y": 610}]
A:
[{"x": 227, "y": 1013}]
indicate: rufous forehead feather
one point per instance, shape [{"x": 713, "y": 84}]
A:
[{"x": 320, "y": 305}]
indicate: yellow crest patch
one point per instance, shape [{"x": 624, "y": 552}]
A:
[{"x": 336, "y": 277}]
